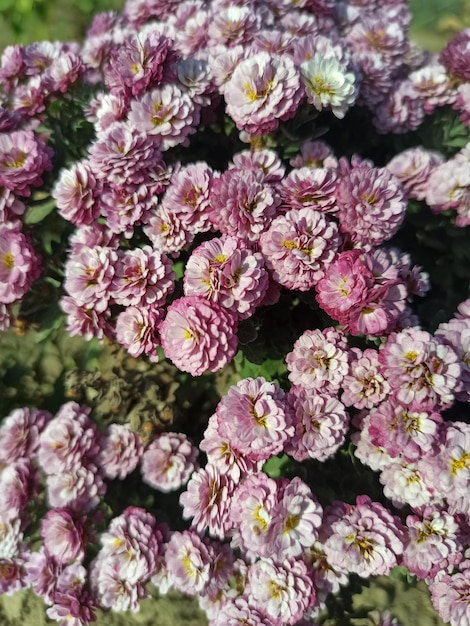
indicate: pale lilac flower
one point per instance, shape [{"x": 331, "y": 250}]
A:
[
  {"x": 79, "y": 488},
  {"x": 319, "y": 360},
  {"x": 242, "y": 203},
  {"x": 19, "y": 433},
  {"x": 207, "y": 501},
  {"x": 328, "y": 84},
  {"x": 364, "y": 385},
  {"x": 365, "y": 538},
  {"x": 456, "y": 333},
  {"x": 265, "y": 160},
  {"x": 456, "y": 54},
  {"x": 198, "y": 335},
  {"x": 454, "y": 461},
  {"x": 112, "y": 588},
  {"x": 63, "y": 536},
  {"x": 414, "y": 168},
  {"x": 432, "y": 542},
  {"x": 449, "y": 188},
  {"x": 88, "y": 276},
  {"x": 121, "y": 154},
  {"x": 20, "y": 266},
  {"x": 298, "y": 247},
  {"x": 120, "y": 451},
  {"x": 237, "y": 611},
  {"x": 312, "y": 187},
  {"x": 18, "y": 486},
  {"x": 297, "y": 517},
  {"x": 434, "y": 85},
  {"x": 420, "y": 367},
  {"x": 371, "y": 203},
  {"x": 316, "y": 155},
  {"x": 168, "y": 462},
  {"x": 86, "y": 322},
  {"x": 320, "y": 423},
  {"x": 166, "y": 230},
  {"x": 252, "y": 514},
  {"x": 326, "y": 578},
  {"x": 407, "y": 482},
  {"x": 167, "y": 114},
  {"x": 10, "y": 536},
  {"x": 11, "y": 207},
  {"x": 226, "y": 271},
  {"x": 127, "y": 206},
  {"x": 42, "y": 572},
  {"x": 12, "y": 575},
  {"x": 282, "y": 592},
  {"x": 252, "y": 417},
  {"x": 142, "y": 277},
  {"x": 137, "y": 331},
  {"x": 23, "y": 160},
  {"x": 401, "y": 111},
  {"x": 188, "y": 562},
  {"x": 449, "y": 596},
  {"x": 262, "y": 90},
  {"x": 77, "y": 193}
]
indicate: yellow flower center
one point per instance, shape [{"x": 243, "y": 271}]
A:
[{"x": 9, "y": 260}]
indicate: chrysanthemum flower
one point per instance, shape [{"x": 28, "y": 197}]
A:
[
  {"x": 265, "y": 160},
  {"x": 19, "y": 433},
  {"x": 298, "y": 246},
  {"x": 455, "y": 56},
  {"x": 23, "y": 160},
  {"x": 456, "y": 333},
  {"x": 137, "y": 331},
  {"x": 88, "y": 276},
  {"x": 414, "y": 168},
  {"x": 401, "y": 111},
  {"x": 365, "y": 538},
  {"x": 242, "y": 203},
  {"x": 77, "y": 193},
  {"x": 319, "y": 360},
  {"x": 252, "y": 417},
  {"x": 282, "y": 592},
  {"x": 168, "y": 462},
  {"x": 226, "y": 271},
  {"x": 449, "y": 596},
  {"x": 62, "y": 533},
  {"x": 187, "y": 560},
  {"x": 364, "y": 385},
  {"x": 328, "y": 84},
  {"x": 320, "y": 423},
  {"x": 371, "y": 203},
  {"x": 120, "y": 451},
  {"x": 198, "y": 335},
  {"x": 19, "y": 264},
  {"x": 310, "y": 187},
  {"x": 263, "y": 90}
]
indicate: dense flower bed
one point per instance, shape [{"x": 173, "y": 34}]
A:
[{"x": 194, "y": 183}]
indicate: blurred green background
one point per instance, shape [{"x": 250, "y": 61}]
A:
[{"x": 25, "y": 21}]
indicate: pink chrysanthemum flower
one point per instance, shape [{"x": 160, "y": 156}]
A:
[
  {"x": 127, "y": 206},
  {"x": 121, "y": 154},
  {"x": 456, "y": 333},
  {"x": 63, "y": 536},
  {"x": 365, "y": 538},
  {"x": 242, "y": 204},
  {"x": 282, "y": 592},
  {"x": 19, "y": 433},
  {"x": 453, "y": 471},
  {"x": 315, "y": 154},
  {"x": 187, "y": 560},
  {"x": 18, "y": 486},
  {"x": 449, "y": 188},
  {"x": 371, "y": 203},
  {"x": 419, "y": 367},
  {"x": 188, "y": 194},
  {"x": 364, "y": 385},
  {"x": 407, "y": 482},
  {"x": 138, "y": 64},
  {"x": 401, "y": 111},
  {"x": 11, "y": 207},
  {"x": 252, "y": 514},
  {"x": 232, "y": 25},
  {"x": 310, "y": 187},
  {"x": 42, "y": 572},
  {"x": 297, "y": 517},
  {"x": 320, "y": 423},
  {"x": 207, "y": 501},
  {"x": 168, "y": 462},
  {"x": 252, "y": 417},
  {"x": 23, "y": 160},
  {"x": 137, "y": 331},
  {"x": 319, "y": 360},
  {"x": 120, "y": 451},
  {"x": 455, "y": 56},
  {"x": 450, "y": 597},
  {"x": 237, "y": 611},
  {"x": 434, "y": 85},
  {"x": 298, "y": 246},
  {"x": 226, "y": 271},
  {"x": 432, "y": 544},
  {"x": 84, "y": 321},
  {"x": 166, "y": 230},
  {"x": 262, "y": 90},
  {"x": 79, "y": 488},
  {"x": 19, "y": 264},
  {"x": 167, "y": 114},
  {"x": 198, "y": 335},
  {"x": 265, "y": 160},
  {"x": 222, "y": 454},
  {"x": 88, "y": 276},
  {"x": 77, "y": 194},
  {"x": 414, "y": 168},
  {"x": 328, "y": 84},
  {"x": 143, "y": 277}
]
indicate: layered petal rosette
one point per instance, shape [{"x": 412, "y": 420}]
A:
[
  {"x": 298, "y": 246},
  {"x": 198, "y": 336}
]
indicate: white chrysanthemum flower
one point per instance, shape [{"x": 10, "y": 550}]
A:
[{"x": 328, "y": 84}]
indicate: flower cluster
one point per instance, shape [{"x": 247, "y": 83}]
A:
[{"x": 272, "y": 273}]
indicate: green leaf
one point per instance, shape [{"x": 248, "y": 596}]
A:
[
  {"x": 37, "y": 213},
  {"x": 276, "y": 465}
]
